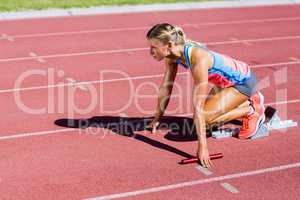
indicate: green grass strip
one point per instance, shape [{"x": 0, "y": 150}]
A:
[{"x": 18, "y": 5}]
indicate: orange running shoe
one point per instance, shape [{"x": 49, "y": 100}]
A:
[{"x": 253, "y": 120}]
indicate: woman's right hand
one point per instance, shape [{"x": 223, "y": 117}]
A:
[
  {"x": 203, "y": 156},
  {"x": 153, "y": 125}
]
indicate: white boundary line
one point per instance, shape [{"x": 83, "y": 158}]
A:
[
  {"x": 229, "y": 187},
  {"x": 147, "y": 27},
  {"x": 37, "y": 133},
  {"x": 283, "y": 102},
  {"x": 77, "y": 54},
  {"x": 267, "y": 104},
  {"x": 126, "y": 79},
  {"x": 6, "y": 37},
  {"x": 87, "y": 82},
  {"x": 146, "y": 48},
  {"x": 35, "y": 56},
  {"x": 29, "y": 134},
  {"x": 204, "y": 170},
  {"x": 254, "y": 40},
  {"x": 197, "y": 182}
]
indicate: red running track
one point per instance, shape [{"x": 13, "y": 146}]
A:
[{"x": 63, "y": 163}]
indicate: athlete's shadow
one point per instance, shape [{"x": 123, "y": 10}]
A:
[{"x": 179, "y": 128}]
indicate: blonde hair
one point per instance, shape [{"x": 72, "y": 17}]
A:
[{"x": 167, "y": 33}]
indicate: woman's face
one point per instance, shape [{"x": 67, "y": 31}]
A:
[{"x": 158, "y": 50}]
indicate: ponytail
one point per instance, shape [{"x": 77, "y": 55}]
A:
[{"x": 167, "y": 33}]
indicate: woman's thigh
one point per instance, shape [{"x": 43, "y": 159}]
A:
[{"x": 222, "y": 102}]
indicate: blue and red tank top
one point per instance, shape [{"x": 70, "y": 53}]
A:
[{"x": 225, "y": 71}]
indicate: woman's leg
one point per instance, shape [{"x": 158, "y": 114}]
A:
[
  {"x": 230, "y": 104},
  {"x": 226, "y": 105},
  {"x": 236, "y": 113}
]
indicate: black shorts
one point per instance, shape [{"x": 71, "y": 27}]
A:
[{"x": 248, "y": 88}]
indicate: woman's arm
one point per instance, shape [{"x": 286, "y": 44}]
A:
[
  {"x": 165, "y": 91},
  {"x": 201, "y": 61}
]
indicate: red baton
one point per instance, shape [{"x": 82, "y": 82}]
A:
[{"x": 192, "y": 160}]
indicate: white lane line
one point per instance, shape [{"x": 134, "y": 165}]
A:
[
  {"x": 37, "y": 133},
  {"x": 73, "y": 83},
  {"x": 41, "y": 60},
  {"x": 22, "y": 135},
  {"x": 71, "y": 80},
  {"x": 274, "y": 64},
  {"x": 197, "y": 182},
  {"x": 7, "y": 37},
  {"x": 266, "y": 104},
  {"x": 283, "y": 102},
  {"x": 35, "y": 56},
  {"x": 77, "y": 54},
  {"x": 229, "y": 188},
  {"x": 244, "y": 41},
  {"x": 147, "y": 27},
  {"x": 87, "y": 82},
  {"x": 204, "y": 170},
  {"x": 294, "y": 59},
  {"x": 236, "y": 40},
  {"x": 146, "y": 48},
  {"x": 285, "y": 64},
  {"x": 82, "y": 87},
  {"x": 32, "y": 54}
]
